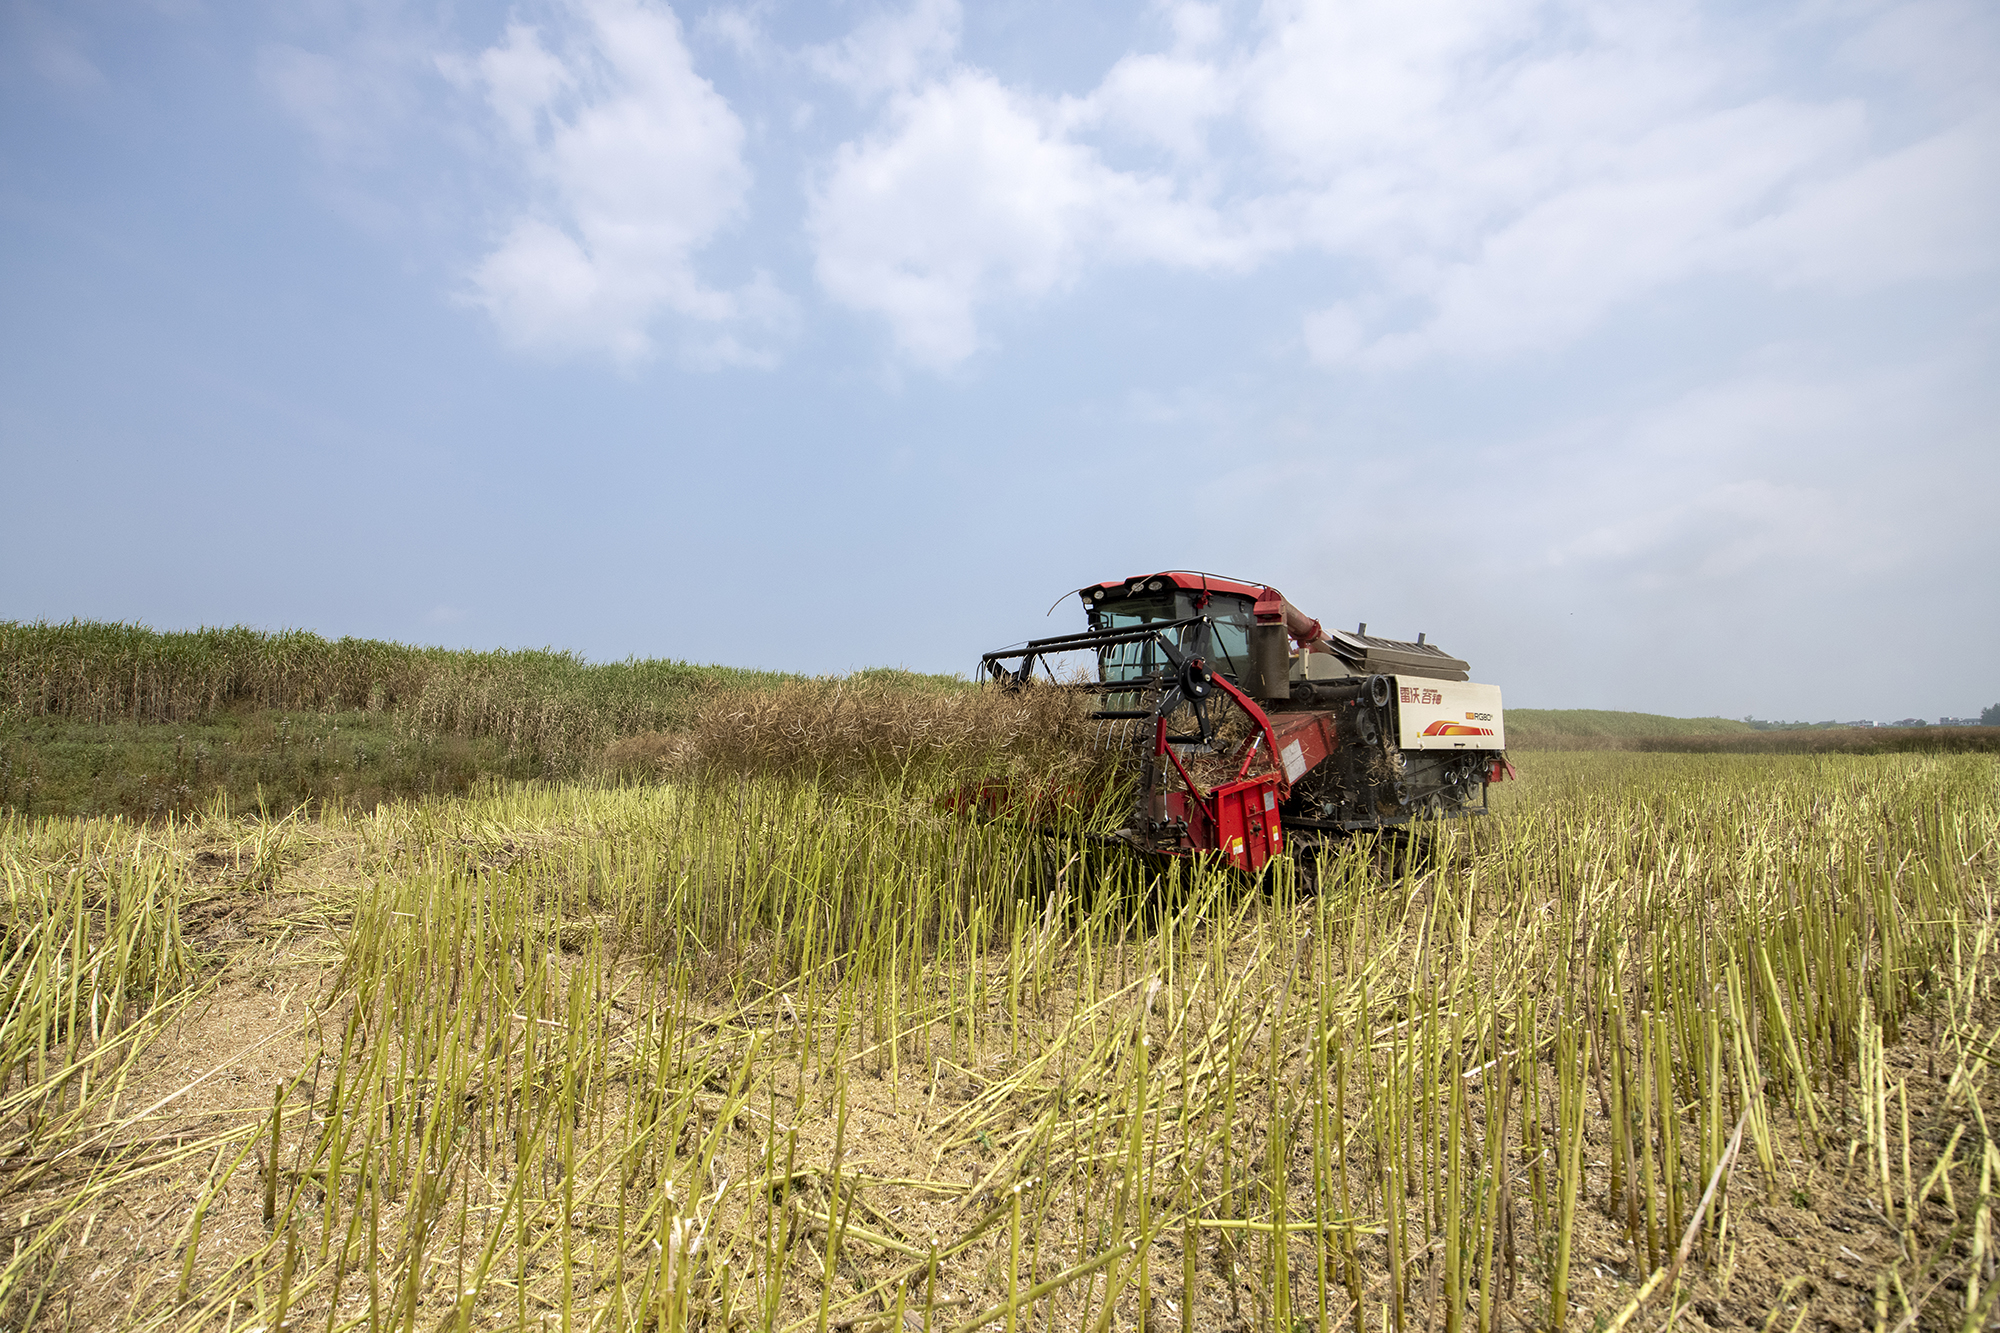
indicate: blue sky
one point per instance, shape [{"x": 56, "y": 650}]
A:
[{"x": 1643, "y": 354}]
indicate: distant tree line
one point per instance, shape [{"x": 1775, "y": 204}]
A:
[{"x": 1988, "y": 717}]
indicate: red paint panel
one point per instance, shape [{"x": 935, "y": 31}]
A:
[
  {"x": 1180, "y": 578},
  {"x": 1312, "y": 733},
  {"x": 1246, "y": 817},
  {"x": 1192, "y": 812}
]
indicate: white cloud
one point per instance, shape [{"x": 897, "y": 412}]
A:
[
  {"x": 636, "y": 165},
  {"x": 357, "y": 79},
  {"x": 1946, "y": 47},
  {"x": 522, "y": 80},
  {"x": 1500, "y": 178},
  {"x": 1512, "y": 175},
  {"x": 893, "y": 51},
  {"x": 1778, "y": 474},
  {"x": 1490, "y": 179},
  {"x": 1750, "y": 540},
  {"x": 1168, "y": 100},
  {"x": 973, "y": 193},
  {"x": 1195, "y": 24},
  {"x": 1676, "y": 203},
  {"x": 739, "y": 29},
  {"x": 342, "y": 103},
  {"x": 1922, "y": 212}
]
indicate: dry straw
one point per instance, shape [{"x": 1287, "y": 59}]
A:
[
  {"x": 735, "y": 1052},
  {"x": 883, "y": 729}
]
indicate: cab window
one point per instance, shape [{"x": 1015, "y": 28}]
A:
[{"x": 1229, "y": 643}]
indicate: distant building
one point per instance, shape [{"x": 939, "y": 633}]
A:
[
  {"x": 1911, "y": 722},
  {"x": 1864, "y": 722}
]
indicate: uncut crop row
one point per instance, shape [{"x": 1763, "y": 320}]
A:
[
  {"x": 552, "y": 705},
  {"x": 755, "y": 1054}
]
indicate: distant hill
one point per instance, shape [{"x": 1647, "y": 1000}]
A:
[
  {"x": 1531, "y": 729},
  {"x": 1591, "y": 728}
]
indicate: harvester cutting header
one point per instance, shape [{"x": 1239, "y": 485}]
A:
[{"x": 1246, "y": 718}]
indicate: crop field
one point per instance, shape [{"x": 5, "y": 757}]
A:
[
  {"x": 1668, "y": 1038},
  {"x": 114, "y": 719}
]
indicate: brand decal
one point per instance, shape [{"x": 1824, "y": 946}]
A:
[{"x": 1456, "y": 729}]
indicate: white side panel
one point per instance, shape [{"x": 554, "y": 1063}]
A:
[
  {"x": 1294, "y": 760},
  {"x": 1448, "y": 715}
]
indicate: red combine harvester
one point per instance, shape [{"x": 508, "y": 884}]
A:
[{"x": 1248, "y": 722}]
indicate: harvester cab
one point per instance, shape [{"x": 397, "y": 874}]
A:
[{"x": 1247, "y": 724}]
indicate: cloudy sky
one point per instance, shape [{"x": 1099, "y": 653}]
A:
[{"x": 1643, "y": 354}]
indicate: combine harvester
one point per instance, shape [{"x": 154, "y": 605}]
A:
[{"x": 1247, "y": 721}]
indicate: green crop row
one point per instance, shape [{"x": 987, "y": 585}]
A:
[
  {"x": 553, "y": 706},
  {"x": 119, "y": 719}
]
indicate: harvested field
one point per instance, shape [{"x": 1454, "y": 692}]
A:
[
  {"x": 1835, "y": 740},
  {"x": 1670, "y": 1038},
  {"x": 1804, "y": 740}
]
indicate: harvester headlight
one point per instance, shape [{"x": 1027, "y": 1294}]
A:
[{"x": 1154, "y": 586}]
